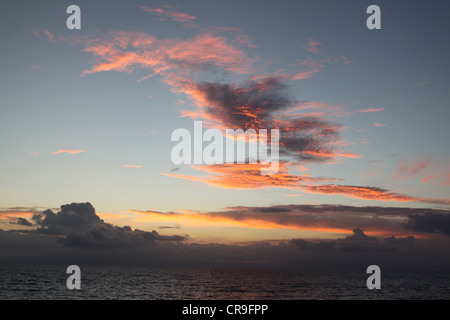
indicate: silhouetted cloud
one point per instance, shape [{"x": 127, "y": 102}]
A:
[
  {"x": 429, "y": 222},
  {"x": 357, "y": 242},
  {"x": 77, "y": 224},
  {"x": 323, "y": 218},
  {"x": 75, "y": 234},
  {"x": 23, "y": 222}
]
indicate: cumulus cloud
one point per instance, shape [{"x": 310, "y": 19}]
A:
[
  {"x": 78, "y": 225},
  {"x": 84, "y": 238},
  {"x": 357, "y": 242}
]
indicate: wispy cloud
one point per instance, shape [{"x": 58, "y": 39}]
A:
[
  {"x": 36, "y": 67},
  {"x": 248, "y": 176},
  {"x": 168, "y": 12},
  {"x": 346, "y": 60},
  {"x": 313, "y": 46},
  {"x": 424, "y": 82},
  {"x": 428, "y": 170},
  {"x": 310, "y": 66},
  {"x": 377, "y": 124},
  {"x": 124, "y": 51},
  {"x": 49, "y": 36},
  {"x": 371, "y": 110},
  {"x": 68, "y": 151},
  {"x": 131, "y": 166},
  {"x": 360, "y": 192}
]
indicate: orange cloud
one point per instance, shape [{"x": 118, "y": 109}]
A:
[
  {"x": 131, "y": 166},
  {"x": 68, "y": 151},
  {"x": 369, "y": 193},
  {"x": 248, "y": 176},
  {"x": 123, "y": 51},
  {"x": 332, "y": 155},
  {"x": 427, "y": 179},
  {"x": 376, "y": 124},
  {"x": 12, "y": 215},
  {"x": 366, "y": 193},
  {"x": 259, "y": 103},
  {"x": 321, "y": 218}
]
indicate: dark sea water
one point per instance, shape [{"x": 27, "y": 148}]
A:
[{"x": 49, "y": 283}]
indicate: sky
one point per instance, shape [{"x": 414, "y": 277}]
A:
[{"x": 87, "y": 116}]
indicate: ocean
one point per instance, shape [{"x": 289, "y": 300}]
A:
[{"x": 139, "y": 283}]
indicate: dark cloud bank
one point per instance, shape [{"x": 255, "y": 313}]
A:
[{"x": 76, "y": 235}]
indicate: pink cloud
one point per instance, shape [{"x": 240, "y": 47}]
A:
[
  {"x": 49, "y": 36},
  {"x": 376, "y": 124},
  {"x": 346, "y": 60},
  {"x": 68, "y": 151},
  {"x": 409, "y": 169},
  {"x": 371, "y": 110},
  {"x": 312, "y": 46},
  {"x": 312, "y": 66},
  {"x": 429, "y": 171},
  {"x": 423, "y": 82},
  {"x": 169, "y": 12}
]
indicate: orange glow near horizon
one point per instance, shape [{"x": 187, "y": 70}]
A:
[{"x": 218, "y": 220}]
